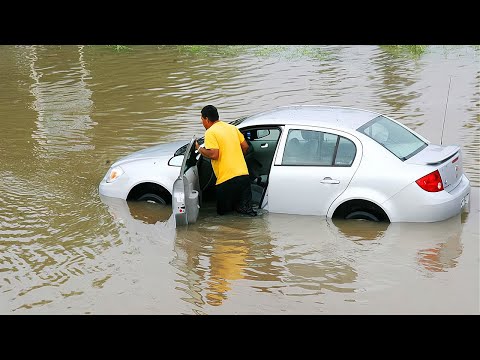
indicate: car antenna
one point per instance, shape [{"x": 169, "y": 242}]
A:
[{"x": 445, "y": 114}]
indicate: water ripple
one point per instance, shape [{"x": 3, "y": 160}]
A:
[{"x": 68, "y": 112}]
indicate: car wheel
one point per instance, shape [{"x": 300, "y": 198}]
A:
[
  {"x": 361, "y": 215},
  {"x": 152, "y": 197}
]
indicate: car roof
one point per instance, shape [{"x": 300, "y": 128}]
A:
[{"x": 314, "y": 115}]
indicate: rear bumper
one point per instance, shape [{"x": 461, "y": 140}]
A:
[{"x": 413, "y": 204}]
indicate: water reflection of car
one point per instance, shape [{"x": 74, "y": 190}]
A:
[
  {"x": 311, "y": 160},
  {"x": 142, "y": 218},
  {"x": 436, "y": 247},
  {"x": 439, "y": 246}
]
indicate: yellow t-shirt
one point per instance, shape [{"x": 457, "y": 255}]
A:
[{"x": 227, "y": 139}]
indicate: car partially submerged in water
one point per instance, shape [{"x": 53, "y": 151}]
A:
[{"x": 330, "y": 161}]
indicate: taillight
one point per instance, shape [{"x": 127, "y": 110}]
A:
[{"x": 431, "y": 182}]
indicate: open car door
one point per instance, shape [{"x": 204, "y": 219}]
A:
[{"x": 186, "y": 195}]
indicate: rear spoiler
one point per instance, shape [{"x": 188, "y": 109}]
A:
[{"x": 443, "y": 155}]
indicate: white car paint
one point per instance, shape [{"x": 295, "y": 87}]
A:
[
  {"x": 314, "y": 187},
  {"x": 376, "y": 177}
]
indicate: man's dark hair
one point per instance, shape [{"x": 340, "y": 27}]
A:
[{"x": 210, "y": 112}]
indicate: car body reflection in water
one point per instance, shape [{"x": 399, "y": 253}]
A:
[
  {"x": 222, "y": 260},
  {"x": 142, "y": 218},
  {"x": 437, "y": 246},
  {"x": 313, "y": 259},
  {"x": 444, "y": 244}
]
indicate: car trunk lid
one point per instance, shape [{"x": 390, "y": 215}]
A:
[{"x": 446, "y": 159}]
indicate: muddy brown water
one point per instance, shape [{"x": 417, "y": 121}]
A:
[{"x": 67, "y": 112}]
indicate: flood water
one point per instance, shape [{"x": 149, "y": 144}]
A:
[{"x": 67, "y": 112}]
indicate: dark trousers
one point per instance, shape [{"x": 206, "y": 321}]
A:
[{"x": 235, "y": 194}]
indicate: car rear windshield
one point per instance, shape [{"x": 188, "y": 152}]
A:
[{"x": 400, "y": 141}]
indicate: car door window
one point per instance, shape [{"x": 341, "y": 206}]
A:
[
  {"x": 346, "y": 152},
  {"x": 304, "y": 147},
  {"x": 316, "y": 148},
  {"x": 264, "y": 143},
  {"x": 327, "y": 152}
]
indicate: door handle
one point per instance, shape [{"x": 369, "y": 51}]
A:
[
  {"x": 329, "y": 180},
  {"x": 264, "y": 146}
]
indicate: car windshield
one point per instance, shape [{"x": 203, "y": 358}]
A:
[
  {"x": 182, "y": 149},
  {"x": 398, "y": 140}
]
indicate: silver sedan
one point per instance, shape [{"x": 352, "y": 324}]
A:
[{"x": 329, "y": 161}]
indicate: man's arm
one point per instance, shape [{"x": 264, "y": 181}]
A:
[
  {"x": 208, "y": 153},
  {"x": 244, "y": 146}
]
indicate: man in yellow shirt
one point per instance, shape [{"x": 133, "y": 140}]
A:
[{"x": 226, "y": 146}]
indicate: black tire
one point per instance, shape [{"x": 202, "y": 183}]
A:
[
  {"x": 362, "y": 215},
  {"x": 152, "y": 197}
]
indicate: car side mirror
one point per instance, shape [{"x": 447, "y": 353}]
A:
[
  {"x": 261, "y": 133},
  {"x": 176, "y": 161}
]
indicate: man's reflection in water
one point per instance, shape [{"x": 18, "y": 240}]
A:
[
  {"x": 227, "y": 263},
  {"x": 214, "y": 253}
]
